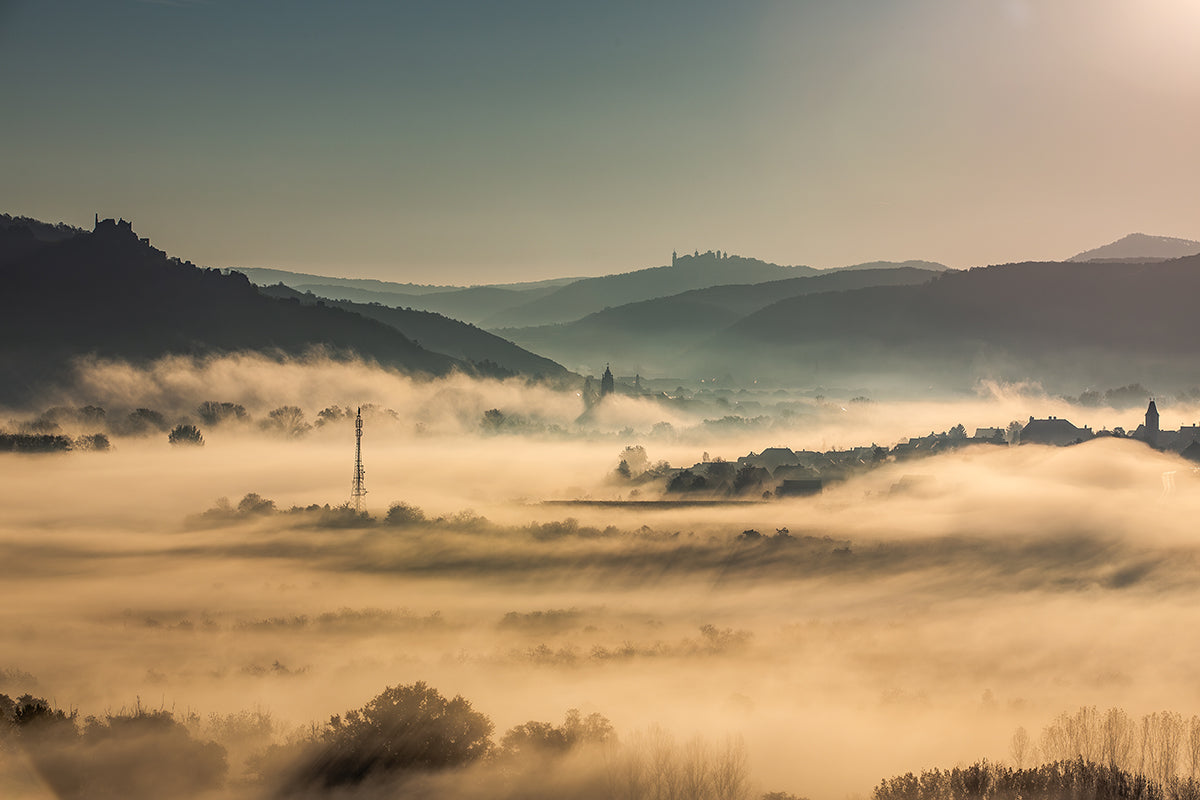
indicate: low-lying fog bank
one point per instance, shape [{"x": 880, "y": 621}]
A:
[{"x": 859, "y": 634}]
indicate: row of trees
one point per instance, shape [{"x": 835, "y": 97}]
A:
[
  {"x": 413, "y": 730},
  {"x": 51, "y": 443},
  {"x": 132, "y": 755},
  {"x": 409, "y": 737},
  {"x": 285, "y": 420},
  {"x": 1163, "y": 746},
  {"x": 1082, "y": 755},
  {"x": 1076, "y": 779}
]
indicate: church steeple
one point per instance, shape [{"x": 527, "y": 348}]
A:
[
  {"x": 607, "y": 384},
  {"x": 1152, "y": 424}
]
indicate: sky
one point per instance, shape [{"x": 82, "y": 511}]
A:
[{"x": 475, "y": 141}]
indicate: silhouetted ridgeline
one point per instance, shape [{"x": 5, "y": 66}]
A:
[
  {"x": 1138, "y": 247},
  {"x": 589, "y": 295},
  {"x": 112, "y": 295},
  {"x": 473, "y": 304},
  {"x": 16, "y": 228},
  {"x": 1063, "y": 323},
  {"x": 653, "y": 333},
  {"x": 489, "y": 353},
  {"x": 522, "y": 304}
]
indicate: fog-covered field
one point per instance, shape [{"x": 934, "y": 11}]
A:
[{"x": 866, "y": 633}]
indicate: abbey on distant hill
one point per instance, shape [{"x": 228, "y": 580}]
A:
[{"x": 717, "y": 254}]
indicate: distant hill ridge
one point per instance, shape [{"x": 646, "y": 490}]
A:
[
  {"x": 1064, "y": 323},
  {"x": 653, "y": 333},
  {"x": 265, "y": 276},
  {"x": 518, "y": 305},
  {"x": 487, "y": 352},
  {"x": 110, "y": 294},
  {"x": 1139, "y": 247},
  {"x": 583, "y": 297}
]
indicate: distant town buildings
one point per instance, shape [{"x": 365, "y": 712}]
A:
[
  {"x": 1179, "y": 440},
  {"x": 1054, "y": 431}
]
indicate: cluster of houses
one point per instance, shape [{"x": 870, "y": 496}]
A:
[
  {"x": 1055, "y": 431},
  {"x": 783, "y": 472}
]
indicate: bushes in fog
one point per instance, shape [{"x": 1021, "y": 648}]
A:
[
  {"x": 34, "y": 443},
  {"x": 408, "y": 739},
  {"x": 1163, "y": 746},
  {"x": 1076, "y": 779},
  {"x": 404, "y": 729},
  {"x": 544, "y": 738},
  {"x": 186, "y": 435},
  {"x": 214, "y": 412},
  {"x": 404, "y": 514},
  {"x": 138, "y": 754},
  {"x": 1086, "y": 755}
]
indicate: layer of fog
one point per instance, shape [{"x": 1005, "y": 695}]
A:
[
  {"x": 725, "y": 421},
  {"x": 886, "y": 633}
]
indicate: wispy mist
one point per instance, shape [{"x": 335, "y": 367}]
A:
[{"x": 864, "y": 632}]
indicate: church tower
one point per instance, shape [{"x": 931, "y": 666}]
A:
[
  {"x": 1152, "y": 424},
  {"x": 607, "y": 384}
]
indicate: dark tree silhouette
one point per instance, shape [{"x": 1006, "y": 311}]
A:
[
  {"x": 288, "y": 421},
  {"x": 254, "y": 503},
  {"x": 141, "y": 754},
  {"x": 404, "y": 514},
  {"x": 92, "y": 441},
  {"x": 544, "y": 738},
  {"x": 34, "y": 443},
  {"x": 333, "y": 414},
  {"x": 405, "y": 729},
  {"x": 212, "y": 412},
  {"x": 186, "y": 435}
]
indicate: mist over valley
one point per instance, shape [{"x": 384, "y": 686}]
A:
[{"x": 611, "y": 401}]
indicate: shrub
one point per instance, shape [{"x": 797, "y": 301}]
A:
[
  {"x": 404, "y": 514},
  {"x": 186, "y": 434},
  {"x": 404, "y": 729}
]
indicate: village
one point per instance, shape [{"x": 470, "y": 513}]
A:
[{"x": 780, "y": 472}]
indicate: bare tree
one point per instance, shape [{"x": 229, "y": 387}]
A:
[
  {"x": 1019, "y": 747},
  {"x": 696, "y": 769},
  {"x": 731, "y": 773},
  {"x": 1194, "y": 747},
  {"x": 1117, "y": 739}
]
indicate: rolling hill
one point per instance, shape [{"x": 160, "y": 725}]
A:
[
  {"x": 472, "y": 304},
  {"x": 487, "y": 352},
  {"x": 651, "y": 334},
  {"x": 1066, "y": 324},
  {"x": 1138, "y": 247},
  {"x": 586, "y": 296},
  {"x": 109, "y": 294}
]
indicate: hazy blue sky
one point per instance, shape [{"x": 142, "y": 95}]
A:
[{"x": 484, "y": 141}]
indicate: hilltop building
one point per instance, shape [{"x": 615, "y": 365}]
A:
[
  {"x": 1152, "y": 434},
  {"x": 116, "y": 228},
  {"x": 1054, "y": 431}
]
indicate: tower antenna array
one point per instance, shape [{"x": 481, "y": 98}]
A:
[{"x": 357, "y": 489}]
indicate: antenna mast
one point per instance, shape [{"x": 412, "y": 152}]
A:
[{"x": 357, "y": 489}]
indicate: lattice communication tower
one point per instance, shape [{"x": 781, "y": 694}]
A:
[{"x": 358, "y": 489}]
